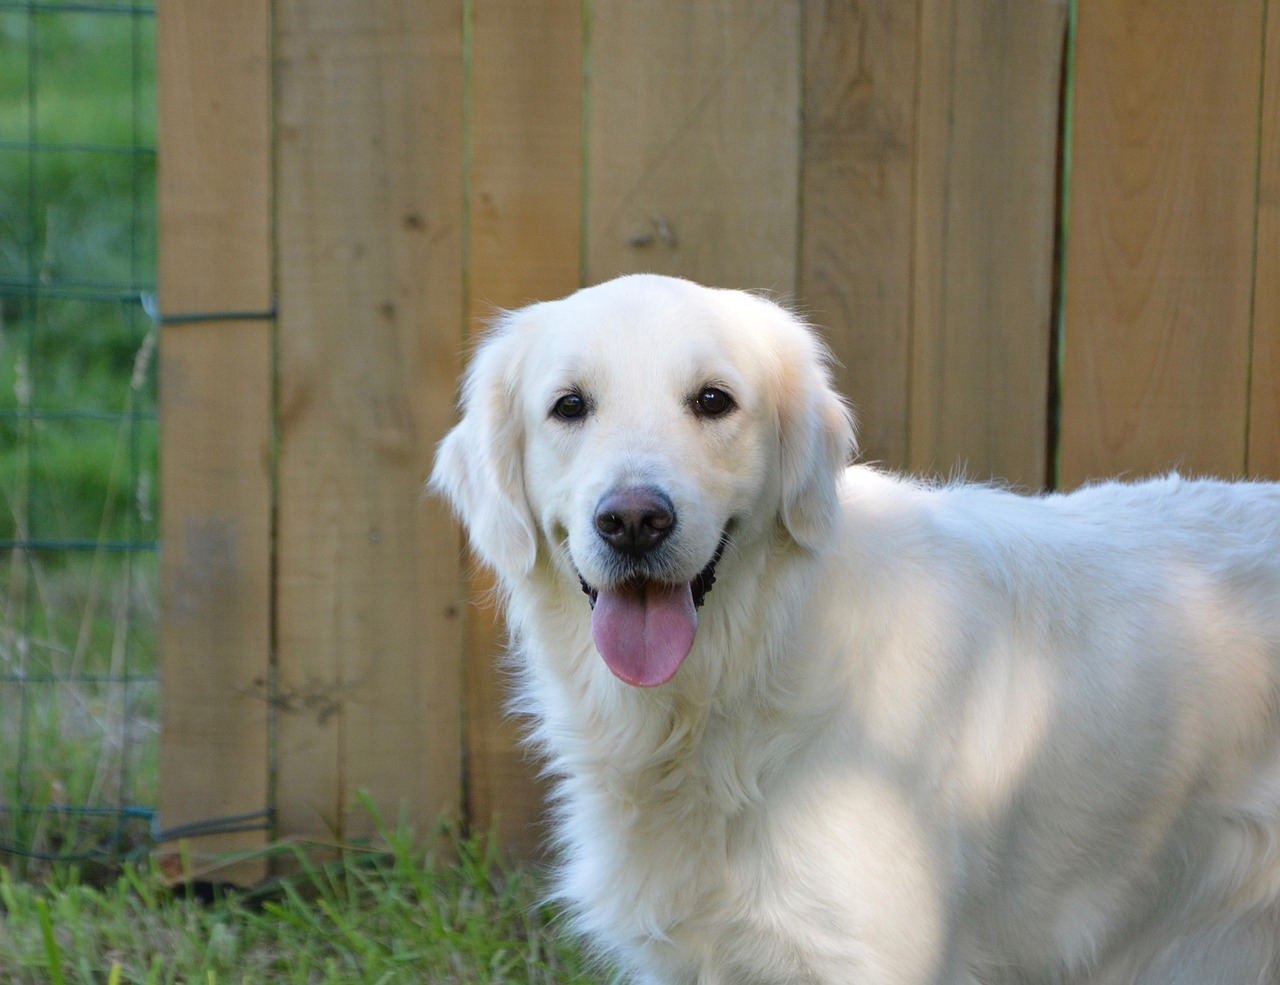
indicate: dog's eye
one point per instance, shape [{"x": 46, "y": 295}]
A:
[
  {"x": 569, "y": 407},
  {"x": 711, "y": 401}
]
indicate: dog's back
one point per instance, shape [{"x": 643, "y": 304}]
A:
[{"x": 1104, "y": 721}]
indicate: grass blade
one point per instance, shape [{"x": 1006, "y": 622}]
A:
[{"x": 51, "y": 949}]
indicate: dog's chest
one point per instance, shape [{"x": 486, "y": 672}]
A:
[{"x": 682, "y": 853}]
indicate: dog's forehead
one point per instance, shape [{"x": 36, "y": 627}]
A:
[{"x": 637, "y": 333}]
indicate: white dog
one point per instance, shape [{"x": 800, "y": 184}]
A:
[{"x": 824, "y": 725}]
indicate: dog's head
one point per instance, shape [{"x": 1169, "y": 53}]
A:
[{"x": 634, "y": 430}]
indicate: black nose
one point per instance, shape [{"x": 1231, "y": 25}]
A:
[{"x": 635, "y": 520}]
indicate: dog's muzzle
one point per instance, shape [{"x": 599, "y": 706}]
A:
[
  {"x": 642, "y": 621},
  {"x": 700, "y": 586}
]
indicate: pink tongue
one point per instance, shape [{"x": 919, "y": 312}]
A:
[{"x": 644, "y": 631}]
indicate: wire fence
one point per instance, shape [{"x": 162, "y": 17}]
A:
[{"x": 79, "y": 704}]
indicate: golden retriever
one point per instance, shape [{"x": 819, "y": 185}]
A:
[{"x": 814, "y": 723}]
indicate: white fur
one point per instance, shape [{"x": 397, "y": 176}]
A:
[{"x": 926, "y": 734}]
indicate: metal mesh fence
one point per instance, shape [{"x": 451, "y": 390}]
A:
[{"x": 79, "y": 706}]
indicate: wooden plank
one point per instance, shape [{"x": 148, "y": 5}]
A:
[
  {"x": 215, "y": 428},
  {"x": 214, "y": 105},
  {"x": 526, "y": 152},
  {"x": 1159, "y": 258},
  {"x": 525, "y": 244},
  {"x": 856, "y": 222},
  {"x": 1264, "y": 414},
  {"x": 215, "y": 414},
  {"x": 693, "y": 141},
  {"x": 369, "y": 233},
  {"x": 986, "y": 178}
]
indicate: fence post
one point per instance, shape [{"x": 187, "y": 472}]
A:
[{"x": 215, "y": 413}]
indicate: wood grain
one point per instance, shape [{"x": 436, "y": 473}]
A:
[
  {"x": 369, "y": 232},
  {"x": 987, "y": 154},
  {"x": 214, "y": 105},
  {"x": 858, "y": 163},
  {"x": 215, "y": 420},
  {"x": 693, "y": 141},
  {"x": 1264, "y": 414},
  {"x": 526, "y": 153},
  {"x": 215, "y": 640},
  {"x": 1159, "y": 260},
  {"x": 525, "y": 244}
]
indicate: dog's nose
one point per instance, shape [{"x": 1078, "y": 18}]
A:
[{"x": 635, "y": 520}]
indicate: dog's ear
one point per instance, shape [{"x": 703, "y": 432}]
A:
[
  {"x": 816, "y": 431},
  {"x": 479, "y": 464}
]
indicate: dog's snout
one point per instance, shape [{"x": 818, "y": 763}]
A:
[{"x": 635, "y": 520}]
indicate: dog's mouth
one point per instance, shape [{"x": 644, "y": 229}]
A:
[{"x": 644, "y": 628}]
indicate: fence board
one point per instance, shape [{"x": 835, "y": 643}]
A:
[
  {"x": 215, "y": 402},
  {"x": 856, "y": 220},
  {"x": 987, "y": 149},
  {"x": 1159, "y": 271},
  {"x": 1264, "y": 414},
  {"x": 215, "y": 170},
  {"x": 693, "y": 141},
  {"x": 369, "y": 627},
  {"x": 525, "y": 244},
  {"x": 215, "y": 634}
]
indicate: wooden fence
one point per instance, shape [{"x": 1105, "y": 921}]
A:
[{"x": 348, "y": 186}]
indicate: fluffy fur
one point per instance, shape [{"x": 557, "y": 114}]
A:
[{"x": 926, "y": 734}]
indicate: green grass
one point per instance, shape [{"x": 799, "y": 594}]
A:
[
  {"x": 399, "y": 915},
  {"x": 79, "y": 723},
  {"x": 77, "y": 239},
  {"x": 79, "y": 707},
  {"x": 82, "y": 87}
]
